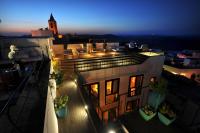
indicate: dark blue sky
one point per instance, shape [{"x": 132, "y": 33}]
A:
[{"x": 163, "y": 17}]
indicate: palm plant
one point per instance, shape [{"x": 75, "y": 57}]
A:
[{"x": 159, "y": 88}]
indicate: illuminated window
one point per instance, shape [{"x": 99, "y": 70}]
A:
[
  {"x": 60, "y": 36},
  {"x": 135, "y": 84},
  {"x": 94, "y": 89},
  {"x": 132, "y": 82},
  {"x": 108, "y": 87},
  {"x": 112, "y": 88}
]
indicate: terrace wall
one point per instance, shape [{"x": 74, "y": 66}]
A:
[{"x": 184, "y": 72}]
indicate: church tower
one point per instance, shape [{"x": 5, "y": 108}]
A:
[{"x": 53, "y": 25}]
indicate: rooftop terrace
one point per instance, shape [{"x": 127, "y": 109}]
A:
[{"x": 102, "y": 60}]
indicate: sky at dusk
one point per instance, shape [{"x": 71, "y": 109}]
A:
[{"x": 124, "y": 17}]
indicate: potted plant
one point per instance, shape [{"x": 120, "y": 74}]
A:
[
  {"x": 60, "y": 105},
  {"x": 166, "y": 114},
  {"x": 56, "y": 72},
  {"x": 59, "y": 77},
  {"x": 157, "y": 94},
  {"x": 147, "y": 112}
]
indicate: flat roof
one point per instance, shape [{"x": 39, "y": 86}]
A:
[{"x": 103, "y": 60}]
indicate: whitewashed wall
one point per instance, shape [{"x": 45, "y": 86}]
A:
[
  {"x": 184, "y": 72},
  {"x": 50, "y": 123}
]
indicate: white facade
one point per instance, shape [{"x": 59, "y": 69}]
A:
[{"x": 152, "y": 67}]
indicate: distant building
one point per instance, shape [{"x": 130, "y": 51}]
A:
[
  {"x": 42, "y": 33},
  {"x": 53, "y": 25},
  {"x": 185, "y": 63}
]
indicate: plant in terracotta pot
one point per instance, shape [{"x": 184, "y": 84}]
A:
[
  {"x": 166, "y": 114},
  {"x": 60, "y": 105}
]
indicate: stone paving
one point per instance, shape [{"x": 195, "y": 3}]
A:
[{"x": 77, "y": 119}]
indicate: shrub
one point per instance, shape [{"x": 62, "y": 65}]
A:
[
  {"x": 148, "y": 110},
  {"x": 60, "y": 102},
  {"x": 167, "y": 111}
]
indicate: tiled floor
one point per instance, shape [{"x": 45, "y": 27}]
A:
[{"x": 77, "y": 119}]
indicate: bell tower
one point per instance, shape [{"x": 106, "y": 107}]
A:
[{"x": 53, "y": 25}]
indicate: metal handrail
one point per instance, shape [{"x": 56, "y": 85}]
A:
[
  {"x": 16, "y": 90},
  {"x": 13, "y": 94}
]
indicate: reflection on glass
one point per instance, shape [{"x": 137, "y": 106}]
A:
[{"x": 115, "y": 86}]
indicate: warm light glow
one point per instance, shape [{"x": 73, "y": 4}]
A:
[
  {"x": 132, "y": 93},
  {"x": 100, "y": 54},
  {"x": 174, "y": 73},
  {"x": 80, "y": 113},
  {"x": 60, "y": 36},
  {"x": 86, "y": 107},
  {"x": 70, "y": 84},
  {"x": 88, "y": 56},
  {"x": 183, "y": 74},
  {"x": 132, "y": 89},
  {"x": 132, "y": 84},
  {"x": 111, "y": 131},
  {"x": 108, "y": 87},
  {"x": 113, "y": 53},
  {"x": 55, "y": 65},
  {"x": 94, "y": 89},
  {"x": 150, "y": 53},
  {"x": 152, "y": 79}
]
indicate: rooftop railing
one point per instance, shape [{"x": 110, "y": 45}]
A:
[{"x": 89, "y": 64}]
